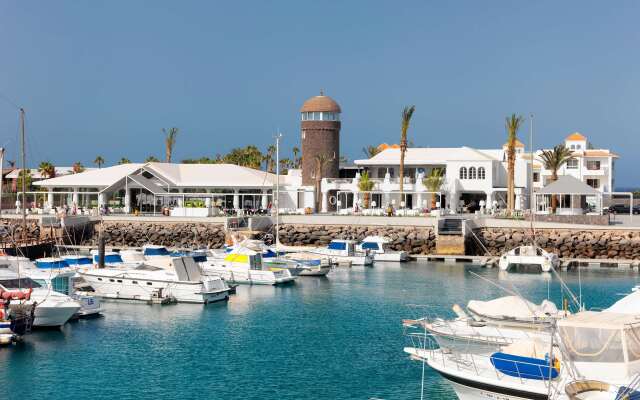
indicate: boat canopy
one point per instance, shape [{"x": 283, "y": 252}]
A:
[
  {"x": 512, "y": 307},
  {"x": 592, "y": 339},
  {"x": 376, "y": 239}
]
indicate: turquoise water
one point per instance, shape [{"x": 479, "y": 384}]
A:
[{"x": 334, "y": 338}]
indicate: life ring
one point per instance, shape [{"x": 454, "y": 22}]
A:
[{"x": 333, "y": 200}]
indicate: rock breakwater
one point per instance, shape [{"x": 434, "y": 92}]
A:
[
  {"x": 182, "y": 235},
  {"x": 415, "y": 240},
  {"x": 600, "y": 244}
]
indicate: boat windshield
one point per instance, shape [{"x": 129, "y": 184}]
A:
[
  {"x": 370, "y": 246},
  {"x": 156, "y": 251},
  {"x": 337, "y": 246},
  {"x": 21, "y": 283}
]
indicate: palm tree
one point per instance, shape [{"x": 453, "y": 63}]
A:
[
  {"x": 553, "y": 160},
  {"x": 285, "y": 164},
  {"x": 169, "y": 141},
  {"x": 370, "y": 151},
  {"x": 512, "y": 124},
  {"x": 151, "y": 159},
  {"x": 11, "y": 163},
  {"x": 407, "y": 113},
  {"x": 99, "y": 161},
  {"x": 47, "y": 169},
  {"x": 77, "y": 167},
  {"x": 124, "y": 160},
  {"x": 365, "y": 185},
  {"x": 269, "y": 158},
  {"x": 297, "y": 160},
  {"x": 433, "y": 182},
  {"x": 321, "y": 160}
]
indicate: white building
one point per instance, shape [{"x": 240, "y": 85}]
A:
[
  {"x": 183, "y": 189},
  {"x": 472, "y": 178}
]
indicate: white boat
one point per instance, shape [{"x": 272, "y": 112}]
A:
[
  {"x": 53, "y": 309},
  {"x": 344, "y": 251},
  {"x": 528, "y": 257},
  {"x": 514, "y": 311},
  {"x": 245, "y": 266},
  {"x": 145, "y": 282},
  {"x": 378, "y": 246}
]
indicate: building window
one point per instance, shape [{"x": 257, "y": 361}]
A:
[
  {"x": 536, "y": 176},
  {"x": 578, "y": 146},
  {"x": 472, "y": 173},
  {"x": 463, "y": 172},
  {"x": 594, "y": 183},
  {"x": 572, "y": 163},
  {"x": 481, "y": 173},
  {"x": 573, "y": 147},
  {"x": 593, "y": 165}
]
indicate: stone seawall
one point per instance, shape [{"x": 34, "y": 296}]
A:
[
  {"x": 415, "y": 240},
  {"x": 566, "y": 243},
  {"x": 183, "y": 235}
]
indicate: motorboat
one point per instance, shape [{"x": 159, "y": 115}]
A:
[
  {"x": 528, "y": 258},
  {"x": 593, "y": 356},
  {"x": 344, "y": 251},
  {"x": 245, "y": 266},
  {"x": 522, "y": 370},
  {"x": 52, "y": 309},
  {"x": 182, "y": 283},
  {"x": 514, "y": 311},
  {"x": 378, "y": 246},
  {"x": 465, "y": 334}
]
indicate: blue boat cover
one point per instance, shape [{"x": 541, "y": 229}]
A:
[
  {"x": 108, "y": 259},
  {"x": 80, "y": 260},
  {"x": 50, "y": 264},
  {"x": 523, "y": 367},
  {"x": 156, "y": 251},
  {"x": 269, "y": 254},
  {"x": 337, "y": 246},
  {"x": 627, "y": 393},
  {"x": 370, "y": 245}
]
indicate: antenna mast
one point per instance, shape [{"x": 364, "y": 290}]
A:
[{"x": 24, "y": 175}]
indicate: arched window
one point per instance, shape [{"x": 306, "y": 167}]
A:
[
  {"x": 463, "y": 172},
  {"x": 481, "y": 173},
  {"x": 472, "y": 173}
]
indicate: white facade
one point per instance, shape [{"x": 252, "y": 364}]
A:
[{"x": 471, "y": 176}]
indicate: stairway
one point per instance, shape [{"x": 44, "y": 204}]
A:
[{"x": 450, "y": 238}]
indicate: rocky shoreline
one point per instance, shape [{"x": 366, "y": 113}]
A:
[{"x": 595, "y": 244}]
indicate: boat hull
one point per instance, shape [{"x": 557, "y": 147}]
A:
[
  {"x": 466, "y": 392},
  {"x": 315, "y": 271},
  {"x": 249, "y": 277},
  {"x": 47, "y": 316},
  {"x": 182, "y": 292},
  {"x": 391, "y": 257}
]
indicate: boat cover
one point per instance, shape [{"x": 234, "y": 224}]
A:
[
  {"x": 629, "y": 304},
  {"x": 512, "y": 307},
  {"x": 523, "y": 367}
]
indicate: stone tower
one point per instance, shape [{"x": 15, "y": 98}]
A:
[{"x": 320, "y": 128}]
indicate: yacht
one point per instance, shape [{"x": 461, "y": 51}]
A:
[
  {"x": 528, "y": 257},
  {"x": 344, "y": 251},
  {"x": 183, "y": 283},
  {"x": 244, "y": 265},
  {"x": 378, "y": 246},
  {"x": 52, "y": 309}
]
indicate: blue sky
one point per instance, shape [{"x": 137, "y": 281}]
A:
[{"x": 105, "y": 77}]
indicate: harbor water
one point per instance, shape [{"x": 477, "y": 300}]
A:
[{"x": 338, "y": 337}]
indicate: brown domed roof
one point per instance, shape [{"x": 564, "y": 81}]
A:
[{"x": 321, "y": 103}]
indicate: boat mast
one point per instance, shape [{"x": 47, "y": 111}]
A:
[
  {"x": 531, "y": 200},
  {"x": 1, "y": 176},
  {"x": 24, "y": 175},
  {"x": 277, "y": 199}
]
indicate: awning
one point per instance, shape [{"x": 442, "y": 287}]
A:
[
  {"x": 567, "y": 184},
  {"x": 147, "y": 184}
]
